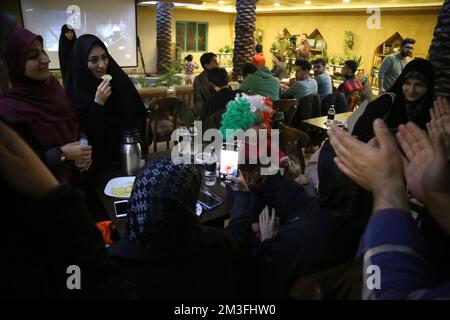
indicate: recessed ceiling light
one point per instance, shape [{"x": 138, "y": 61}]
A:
[
  {"x": 345, "y": 1},
  {"x": 307, "y": 2},
  {"x": 276, "y": 4},
  {"x": 221, "y": 2}
]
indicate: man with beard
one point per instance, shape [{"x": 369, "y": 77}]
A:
[{"x": 393, "y": 65}]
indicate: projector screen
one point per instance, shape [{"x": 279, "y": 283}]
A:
[{"x": 113, "y": 21}]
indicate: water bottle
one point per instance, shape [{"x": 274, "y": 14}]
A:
[
  {"x": 130, "y": 151},
  {"x": 331, "y": 114},
  {"x": 81, "y": 163}
]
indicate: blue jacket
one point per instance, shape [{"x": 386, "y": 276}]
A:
[{"x": 392, "y": 242}]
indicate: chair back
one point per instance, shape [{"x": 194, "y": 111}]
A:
[
  {"x": 186, "y": 94},
  {"x": 150, "y": 94},
  {"x": 336, "y": 99},
  {"x": 288, "y": 107},
  {"x": 309, "y": 107},
  {"x": 354, "y": 97},
  {"x": 167, "y": 110},
  {"x": 292, "y": 141}
]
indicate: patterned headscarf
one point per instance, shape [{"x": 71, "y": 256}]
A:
[{"x": 162, "y": 204}]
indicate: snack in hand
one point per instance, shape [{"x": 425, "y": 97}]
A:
[{"x": 107, "y": 77}]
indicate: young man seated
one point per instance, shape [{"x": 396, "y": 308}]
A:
[
  {"x": 216, "y": 104},
  {"x": 351, "y": 84},
  {"x": 303, "y": 85}
]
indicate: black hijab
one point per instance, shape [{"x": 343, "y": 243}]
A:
[
  {"x": 123, "y": 110},
  {"x": 417, "y": 111},
  {"x": 394, "y": 108},
  {"x": 65, "y": 48}
]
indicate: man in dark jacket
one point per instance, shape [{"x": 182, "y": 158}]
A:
[
  {"x": 216, "y": 104},
  {"x": 202, "y": 88}
]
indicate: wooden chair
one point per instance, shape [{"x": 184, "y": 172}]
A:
[
  {"x": 164, "y": 114},
  {"x": 186, "y": 94},
  {"x": 150, "y": 94},
  {"x": 288, "y": 107},
  {"x": 292, "y": 141}
]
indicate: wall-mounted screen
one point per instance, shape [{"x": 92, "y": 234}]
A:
[{"x": 113, "y": 21}]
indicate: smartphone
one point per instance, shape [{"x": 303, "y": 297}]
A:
[
  {"x": 228, "y": 162},
  {"x": 121, "y": 208},
  {"x": 208, "y": 201}
]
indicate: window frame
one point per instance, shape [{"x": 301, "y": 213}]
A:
[{"x": 197, "y": 23}]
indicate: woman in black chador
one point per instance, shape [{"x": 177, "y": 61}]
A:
[{"x": 66, "y": 41}]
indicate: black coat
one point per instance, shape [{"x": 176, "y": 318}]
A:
[
  {"x": 42, "y": 239},
  {"x": 123, "y": 109},
  {"x": 65, "y": 49},
  {"x": 208, "y": 266},
  {"x": 215, "y": 106},
  {"x": 392, "y": 111}
]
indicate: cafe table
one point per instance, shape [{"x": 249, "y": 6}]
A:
[
  {"x": 320, "y": 123},
  {"x": 215, "y": 217}
]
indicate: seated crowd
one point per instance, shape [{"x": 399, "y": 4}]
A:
[{"x": 278, "y": 233}]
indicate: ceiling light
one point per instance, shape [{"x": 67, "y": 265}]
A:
[
  {"x": 345, "y": 1},
  {"x": 221, "y": 2},
  {"x": 276, "y": 4},
  {"x": 307, "y": 2}
]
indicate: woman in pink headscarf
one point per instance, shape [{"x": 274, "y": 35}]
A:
[{"x": 38, "y": 108}]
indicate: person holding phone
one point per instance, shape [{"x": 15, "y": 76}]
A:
[
  {"x": 252, "y": 112},
  {"x": 166, "y": 252}
]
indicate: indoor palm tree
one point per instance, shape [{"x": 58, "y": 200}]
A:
[
  {"x": 244, "y": 29},
  {"x": 163, "y": 35},
  {"x": 439, "y": 51}
]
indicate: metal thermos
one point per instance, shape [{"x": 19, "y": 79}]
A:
[{"x": 130, "y": 151}]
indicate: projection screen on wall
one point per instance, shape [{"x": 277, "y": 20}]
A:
[{"x": 113, "y": 21}]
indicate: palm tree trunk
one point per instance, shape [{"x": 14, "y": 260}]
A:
[
  {"x": 163, "y": 35},
  {"x": 244, "y": 28},
  {"x": 439, "y": 52}
]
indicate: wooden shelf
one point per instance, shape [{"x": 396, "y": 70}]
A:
[
  {"x": 391, "y": 42},
  {"x": 317, "y": 36}
]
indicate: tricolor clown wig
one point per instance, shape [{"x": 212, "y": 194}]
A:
[{"x": 242, "y": 113}]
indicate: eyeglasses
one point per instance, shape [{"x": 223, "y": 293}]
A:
[{"x": 409, "y": 47}]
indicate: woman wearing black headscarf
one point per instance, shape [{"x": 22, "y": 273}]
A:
[
  {"x": 66, "y": 42},
  {"x": 105, "y": 107},
  {"x": 315, "y": 234},
  {"x": 166, "y": 253},
  {"x": 409, "y": 99},
  {"x": 53, "y": 229}
]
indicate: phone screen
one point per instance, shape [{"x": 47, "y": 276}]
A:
[
  {"x": 228, "y": 163},
  {"x": 208, "y": 201},
  {"x": 121, "y": 208}
]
